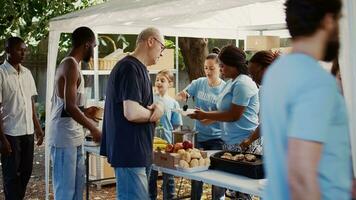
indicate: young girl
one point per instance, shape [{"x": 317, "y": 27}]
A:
[{"x": 170, "y": 121}]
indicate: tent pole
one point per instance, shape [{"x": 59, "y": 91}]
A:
[
  {"x": 53, "y": 44},
  {"x": 348, "y": 69},
  {"x": 96, "y": 72},
  {"x": 177, "y": 65}
]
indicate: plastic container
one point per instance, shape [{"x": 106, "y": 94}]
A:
[
  {"x": 249, "y": 169},
  {"x": 159, "y": 131},
  {"x": 183, "y": 135}
]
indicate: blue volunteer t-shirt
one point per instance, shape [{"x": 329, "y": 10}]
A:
[
  {"x": 301, "y": 100},
  {"x": 125, "y": 143},
  {"x": 169, "y": 118},
  {"x": 205, "y": 98},
  {"x": 241, "y": 91}
]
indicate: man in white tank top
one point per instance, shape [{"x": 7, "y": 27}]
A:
[{"x": 68, "y": 117}]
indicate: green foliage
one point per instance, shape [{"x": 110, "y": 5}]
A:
[
  {"x": 29, "y": 19},
  {"x": 64, "y": 43},
  {"x": 122, "y": 39},
  {"x": 41, "y": 113}
]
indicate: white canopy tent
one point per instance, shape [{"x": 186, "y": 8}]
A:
[
  {"x": 198, "y": 18},
  {"x": 228, "y": 19}
]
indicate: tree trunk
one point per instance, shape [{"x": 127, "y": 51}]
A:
[{"x": 194, "y": 51}]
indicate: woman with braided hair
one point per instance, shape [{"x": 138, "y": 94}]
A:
[{"x": 257, "y": 67}]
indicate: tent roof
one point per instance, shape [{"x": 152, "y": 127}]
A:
[{"x": 185, "y": 18}]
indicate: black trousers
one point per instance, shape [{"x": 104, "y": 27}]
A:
[
  {"x": 17, "y": 167},
  {"x": 197, "y": 186}
]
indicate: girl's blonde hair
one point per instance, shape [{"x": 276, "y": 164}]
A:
[{"x": 167, "y": 74}]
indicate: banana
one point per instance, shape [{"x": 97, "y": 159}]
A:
[
  {"x": 158, "y": 140},
  {"x": 159, "y": 146}
]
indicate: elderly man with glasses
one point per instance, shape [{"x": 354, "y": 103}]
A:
[{"x": 130, "y": 116}]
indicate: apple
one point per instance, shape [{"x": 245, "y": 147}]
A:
[
  {"x": 169, "y": 148},
  {"x": 187, "y": 144},
  {"x": 177, "y": 146}
]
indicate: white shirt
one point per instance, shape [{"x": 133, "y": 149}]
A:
[{"x": 16, "y": 91}]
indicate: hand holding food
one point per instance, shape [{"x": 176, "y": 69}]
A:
[
  {"x": 182, "y": 96},
  {"x": 95, "y": 113},
  {"x": 198, "y": 114}
]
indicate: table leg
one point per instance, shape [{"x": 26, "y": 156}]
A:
[{"x": 87, "y": 174}]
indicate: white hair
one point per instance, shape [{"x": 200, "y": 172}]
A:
[{"x": 146, "y": 33}]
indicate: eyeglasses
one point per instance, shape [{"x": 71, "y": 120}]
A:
[{"x": 162, "y": 45}]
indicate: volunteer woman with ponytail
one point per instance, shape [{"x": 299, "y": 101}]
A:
[
  {"x": 205, "y": 91},
  {"x": 238, "y": 103}
]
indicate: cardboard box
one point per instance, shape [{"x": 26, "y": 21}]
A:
[
  {"x": 167, "y": 160},
  {"x": 259, "y": 43},
  {"x": 282, "y": 50},
  {"x": 165, "y": 62}
]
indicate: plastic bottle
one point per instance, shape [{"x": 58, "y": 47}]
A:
[{"x": 159, "y": 131}]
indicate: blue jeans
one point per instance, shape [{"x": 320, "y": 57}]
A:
[
  {"x": 131, "y": 183},
  {"x": 68, "y": 174},
  {"x": 167, "y": 186},
  {"x": 197, "y": 186}
]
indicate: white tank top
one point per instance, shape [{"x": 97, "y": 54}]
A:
[{"x": 64, "y": 130}]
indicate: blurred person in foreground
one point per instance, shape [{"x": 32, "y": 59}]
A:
[{"x": 303, "y": 114}]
